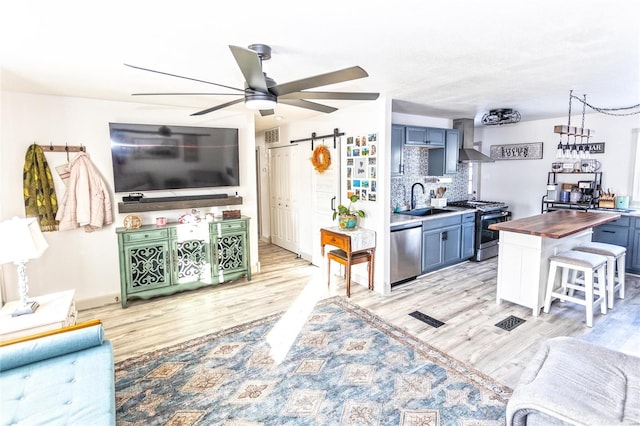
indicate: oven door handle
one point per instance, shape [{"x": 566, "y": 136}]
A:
[{"x": 495, "y": 215}]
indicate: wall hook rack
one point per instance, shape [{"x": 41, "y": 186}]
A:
[
  {"x": 63, "y": 148},
  {"x": 336, "y": 133}
]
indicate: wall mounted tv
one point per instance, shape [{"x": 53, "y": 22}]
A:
[{"x": 160, "y": 157}]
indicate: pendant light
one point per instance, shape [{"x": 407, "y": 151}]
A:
[{"x": 576, "y": 150}]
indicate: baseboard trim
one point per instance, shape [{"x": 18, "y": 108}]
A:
[{"x": 97, "y": 302}]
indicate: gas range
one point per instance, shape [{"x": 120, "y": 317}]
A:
[
  {"x": 487, "y": 213},
  {"x": 482, "y": 206}
]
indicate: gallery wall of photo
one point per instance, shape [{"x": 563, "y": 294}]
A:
[{"x": 362, "y": 168}]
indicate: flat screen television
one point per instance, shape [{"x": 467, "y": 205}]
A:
[{"x": 160, "y": 157}]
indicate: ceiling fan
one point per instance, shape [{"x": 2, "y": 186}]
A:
[{"x": 263, "y": 93}]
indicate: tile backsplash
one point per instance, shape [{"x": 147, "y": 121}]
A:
[{"x": 416, "y": 162}]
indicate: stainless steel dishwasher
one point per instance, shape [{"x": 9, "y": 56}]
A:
[{"x": 406, "y": 252}]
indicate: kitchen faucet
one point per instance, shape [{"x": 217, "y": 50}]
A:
[{"x": 413, "y": 201}]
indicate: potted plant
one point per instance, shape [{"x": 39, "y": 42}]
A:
[{"x": 348, "y": 216}]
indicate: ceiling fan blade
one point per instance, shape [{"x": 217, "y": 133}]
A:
[
  {"x": 265, "y": 112},
  {"x": 308, "y": 105},
  {"x": 186, "y": 78},
  {"x": 217, "y": 107},
  {"x": 251, "y": 67},
  {"x": 186, "y": 94},
  {"x": 346, "y": 74},
  {"x": 348, "y": 96}
]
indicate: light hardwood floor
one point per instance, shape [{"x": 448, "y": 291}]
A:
[{"x": 463, "y": 297}]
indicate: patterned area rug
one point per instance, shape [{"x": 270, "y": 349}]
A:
[{"x": 346, "y": 367}]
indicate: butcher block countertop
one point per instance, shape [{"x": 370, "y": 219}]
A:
[{"x": 556, "y": 224}]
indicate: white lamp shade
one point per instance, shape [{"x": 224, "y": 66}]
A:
[{"x": 21, "y": 240}]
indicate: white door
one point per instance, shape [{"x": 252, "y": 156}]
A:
[
  {"x": 326, "y": 197},
  {"x": 284, "y": 215}
]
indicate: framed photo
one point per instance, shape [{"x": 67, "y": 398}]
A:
[{"x": 361, "y": 168}]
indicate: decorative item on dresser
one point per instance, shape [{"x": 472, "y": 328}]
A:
[
  {"x": 157, "y": 261},
  {"x": 21, "y": 241},
  {"x": 132, "y": 221},
  {"x": 231, "y": 214}
]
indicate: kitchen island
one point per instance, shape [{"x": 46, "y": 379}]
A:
[{"x": 527, "y": 244}]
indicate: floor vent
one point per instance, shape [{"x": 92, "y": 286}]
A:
[
  {"x": 426, "y": 319},
  {"x": 510, "y": 323},
  {"x": 272, "y": 135}
]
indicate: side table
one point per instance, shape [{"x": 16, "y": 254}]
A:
[
  {"x": 56, "y": 310},
  {"x": 354, "y": 246}
]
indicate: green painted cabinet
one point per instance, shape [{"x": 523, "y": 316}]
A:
[
  {"x": 231, "y": 247},
  {"x": 160, "y": 261}
]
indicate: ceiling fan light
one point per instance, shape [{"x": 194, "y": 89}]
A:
[
  {"x": 260, "y": 101},
  {"x": 501, "y": 116}
]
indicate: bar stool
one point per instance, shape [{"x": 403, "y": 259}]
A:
[
  {"x": 589, "y": 264},
  {"x": 342, "y": 258},
  {"x": 615, "y": 266}
]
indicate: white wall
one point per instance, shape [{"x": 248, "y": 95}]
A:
[
  {"x": 522, "y": 183},
  {"x": 88, "y": 262}
]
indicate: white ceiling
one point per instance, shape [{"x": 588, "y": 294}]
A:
[{"x": 444, "y": 58}]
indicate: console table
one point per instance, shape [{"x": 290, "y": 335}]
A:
[
  {"x": 162, "y": 260},
  {"x": 55, "y": 310}
]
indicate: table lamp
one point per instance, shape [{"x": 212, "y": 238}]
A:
[{"x": 20, "y": 241}]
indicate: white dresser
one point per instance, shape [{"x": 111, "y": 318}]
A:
[{"x": 55, "y": 310}]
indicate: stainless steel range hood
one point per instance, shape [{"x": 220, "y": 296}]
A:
[{"x": 467, "y": 154}]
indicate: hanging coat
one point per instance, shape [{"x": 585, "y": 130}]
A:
[
  {"x": 87, "y": 201},
  {"x": 40, "y": 199}
]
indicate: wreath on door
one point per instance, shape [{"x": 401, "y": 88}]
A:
[{"x": 321, "y": 158}]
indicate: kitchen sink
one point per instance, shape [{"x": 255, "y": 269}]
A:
[{"x": 427, "y": 211}]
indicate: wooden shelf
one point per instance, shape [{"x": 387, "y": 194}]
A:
[{"x": 149, "y": 206}]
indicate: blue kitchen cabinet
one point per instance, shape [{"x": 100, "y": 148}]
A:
[
  {"x": 435, "y": 137},
  {"x": 468, "y": 235},
  {"x": 397, "y": 150},
  {"x": 429, "y": 137},
  {"x": 444, "y": 161},
  {"x": 415, "y": 135},
  {"x": 632, "y": 260},
  {"x": 623, "y": 232},
  {"x": 441, "y": 242},
  {"x": 616, "y": 232}
]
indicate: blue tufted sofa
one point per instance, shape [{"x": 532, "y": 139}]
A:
[{"x": 62, "y": 377}]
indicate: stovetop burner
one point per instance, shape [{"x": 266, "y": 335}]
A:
[{"x": 480, "y": 205}]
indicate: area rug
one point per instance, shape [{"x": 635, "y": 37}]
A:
[{"x": 346, "y": 366}]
